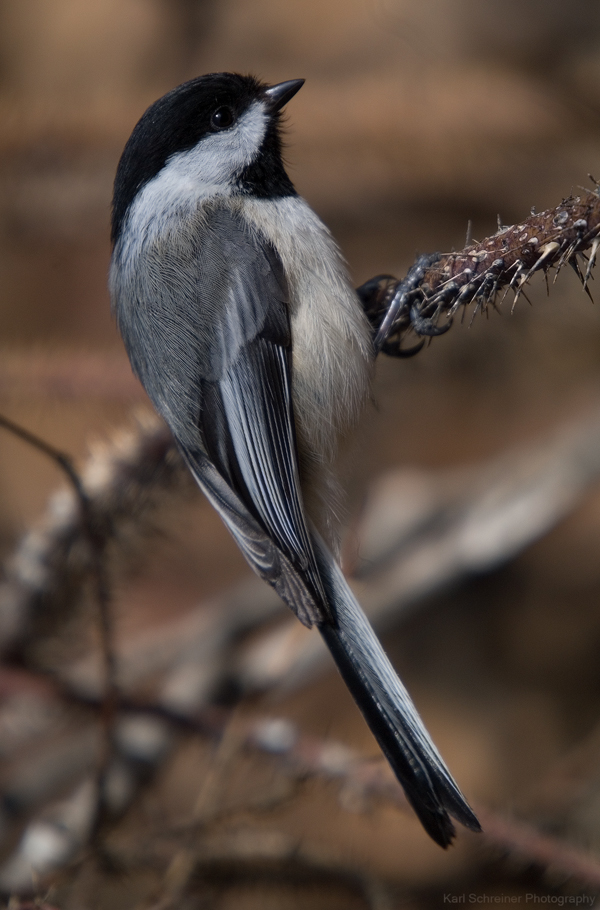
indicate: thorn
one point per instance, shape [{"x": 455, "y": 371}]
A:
[
  {"x": 469, "y": 236},
  {"x": 520, "y": 276},
  {"x": 473, "y": 315},
  {"x": 499, "y": 223},
  {"x": 574, "y": 263},
  {"x": 532, "y": 210},
  {"x": 493, "y": 302},
  {"x": 591, "y": 262},
  {"x": 526, "y": 297},
  {"x": 464, "y": 298},
  {"x": 520, "y": 292},
  {"x": 546, "y": 251},
  {"x": 593, "y": 179},
  {"x": 519, "y": 270},
  {"x": 564, "y": 258},
  {"x": 575, "y": 266}
]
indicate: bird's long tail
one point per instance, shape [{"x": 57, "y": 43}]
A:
[{"x": 388, "y": 709}]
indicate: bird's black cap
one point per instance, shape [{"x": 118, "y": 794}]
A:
[{"x": 180, "y": 119}]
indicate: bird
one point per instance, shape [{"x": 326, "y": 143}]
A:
[{"x": 240, "y": 320}]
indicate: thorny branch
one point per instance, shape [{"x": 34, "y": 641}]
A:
[{"x": 439, "y": 284}]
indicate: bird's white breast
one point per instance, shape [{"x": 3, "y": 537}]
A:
[
  {"x": 331, "y": 339},
  {"x": 332, "y": 351}
]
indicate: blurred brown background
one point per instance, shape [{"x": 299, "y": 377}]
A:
[{"x": 415, "y": 118}]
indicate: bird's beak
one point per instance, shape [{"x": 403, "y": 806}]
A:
[{"x": 277, "y": 96}]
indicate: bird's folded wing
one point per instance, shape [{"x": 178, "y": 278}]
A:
[{"x": 246, "y": 421}]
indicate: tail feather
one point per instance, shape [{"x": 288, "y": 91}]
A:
[
  {"x": 383, "y": 700},
  {"x": 389, "y": 711}
]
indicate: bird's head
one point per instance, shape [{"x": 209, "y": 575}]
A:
[{"x": 214, "y": 135}]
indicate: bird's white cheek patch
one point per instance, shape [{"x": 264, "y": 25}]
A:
[{"x": 209, "y": 169}]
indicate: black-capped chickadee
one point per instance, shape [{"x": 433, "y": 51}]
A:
[{"x": 240, "y": 320}]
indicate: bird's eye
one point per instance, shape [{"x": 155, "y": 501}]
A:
[{"x": 222, "y": 118}]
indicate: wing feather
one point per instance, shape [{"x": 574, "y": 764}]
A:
[{"x": 257, "y": 403}]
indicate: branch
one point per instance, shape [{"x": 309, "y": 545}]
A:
[
  {"x": 419, "y": 533},
  {"x": 438, "y": 285},
  {"x": 48, "y": 574},
  {"x": 361, "y": 781}
]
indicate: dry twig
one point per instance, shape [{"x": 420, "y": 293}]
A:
[{"x": 47, "y": 576}]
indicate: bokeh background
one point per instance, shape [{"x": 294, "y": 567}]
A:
[{"x": 415, "y": 118}]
